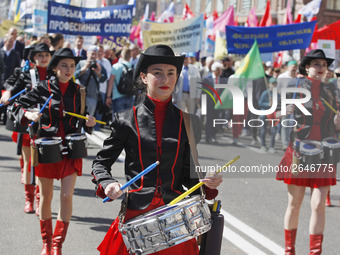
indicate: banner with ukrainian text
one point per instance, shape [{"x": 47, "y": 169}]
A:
[
  {"x": 106, "y": 21},
  {"x": 270, "y": 39},
  {"x": 182, "y": 36}
]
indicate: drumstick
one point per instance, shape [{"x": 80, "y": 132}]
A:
[
  {"x": 198, "y": 185},
  {"x": 329, "y": 106},
  {"x": 16, "y": 95},
  {"x": 41, "y": 110},
  {"x": 83, "y": 117},
  {"x": 137, "y": 177}
]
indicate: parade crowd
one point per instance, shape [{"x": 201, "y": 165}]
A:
[{"x": 66, "y": 78}]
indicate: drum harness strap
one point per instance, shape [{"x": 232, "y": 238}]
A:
[
  {"x": 82, "y": 90},
  {"x": 193, "y": 148}
]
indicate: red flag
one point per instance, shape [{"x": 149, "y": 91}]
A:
[
  {"x": 103, "y": 3},
  {"x": 187, "y": 12},
  {"x": 215, "y": 15},
  {"x": 266, "y": 19},
  {"x": 298, "y": 19},
  {"x": 278, "y": 59},
  {"x": 236, "y": 21}
]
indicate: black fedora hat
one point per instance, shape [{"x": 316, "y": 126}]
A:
[
  {"x": 40, "y": 47},
  {"x": 313, "y": 54},
  {"x": 27, "y": 51},
  {"x": 158, "y": 54},
  {"x": 61, "y": 54}
]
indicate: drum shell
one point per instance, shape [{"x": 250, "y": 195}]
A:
[
  {"x": 76, "y": 148},
  {"x": 331, "y": 148},
  {"x": 309, "y": 160},
  {"x": 49, "y": 153},
  {"x": 331, "y": 155},
  {"x": 12, "y": 124},
  {"x": 152, "y": 232}
]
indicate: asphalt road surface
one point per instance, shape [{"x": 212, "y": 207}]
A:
[{"x": 253, "y": 204}]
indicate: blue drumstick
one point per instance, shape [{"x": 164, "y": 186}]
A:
[
  {"x": 137, "y": 177},
  {"x": 48, "y": 100},
  {"x": 16, "y": 95}
]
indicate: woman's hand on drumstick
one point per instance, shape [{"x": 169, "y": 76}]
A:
[
  {"x": 212, "y": 182},
  {"x": 113, "y": 190},
  {"x": 34, "y": 116},
  {"x": 5, "y": 97},
  {"x": 91, "y": 121}
]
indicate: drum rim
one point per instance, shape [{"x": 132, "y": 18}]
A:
[
  {"x": 75, "y": 137},
  {"x": 178, "y": 205},
  {"x": 317, "y": 150},
  {"x": 325, "y": 143},
  {"x": 52, "y": 140}
]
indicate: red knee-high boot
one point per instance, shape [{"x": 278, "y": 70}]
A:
[
  {"x": 22, "y": 170},
  {"x": 59, "y": 237},
  {"x": 328, "y": 199},
  {"x": 315, "y": 244},
  {"x": 46, "y": 235},
  {"x": 37, "y": 199},
  {"x": 290, "y": 236},
  {"x": 29, "y": 198}
]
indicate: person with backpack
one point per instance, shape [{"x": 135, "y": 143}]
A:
[{"x": 120, "y": 71}]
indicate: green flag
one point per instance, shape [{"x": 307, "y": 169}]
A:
[{"x": 251, "y": 68}]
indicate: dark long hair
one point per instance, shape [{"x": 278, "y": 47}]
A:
[{"x": 140, "y": 88}]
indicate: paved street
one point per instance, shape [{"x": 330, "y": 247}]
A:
[{"x": 253, "y": 204}]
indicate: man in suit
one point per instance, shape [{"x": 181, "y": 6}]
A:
[
  {"x": 10, "y": 58},
  {"x": 78, "y": 51},
  {"x": 17, "y": 45}
]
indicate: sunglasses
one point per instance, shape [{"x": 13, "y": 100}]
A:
[{"x": 337, "y": 75}]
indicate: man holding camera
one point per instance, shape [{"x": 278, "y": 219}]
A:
[{"x": 90, "y": 74}]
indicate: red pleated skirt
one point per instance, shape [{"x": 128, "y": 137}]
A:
[
  {"x": 25, "y": 139},
  {"x": 324, "y": 176},
  {"x": 60, "y": 169},
  {"x": 113, "y": 243}
]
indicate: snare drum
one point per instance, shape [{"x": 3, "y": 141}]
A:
[
  {"x": 12, "y": 124},
  {"x": 76, "y": 145},
  {"x": 49, "y": 149},
  {"x": 311, "y": 152},
  {"x": 166, "y": 226},
  {"x": 331, "y": 149}
]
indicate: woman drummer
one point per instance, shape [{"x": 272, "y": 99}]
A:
[
  {"x": 152, "y": 131},
  {"x": 39, "y": 56},
  {"x": 320, "y": 124},
  {"x": 66, "y": 96}
]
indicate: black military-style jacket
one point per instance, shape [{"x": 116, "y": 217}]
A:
[
  {"x": 134, "y": 130},
  {"x": 49, "y": 122},
  {"x": 21, "y": 80},
  {"x": 305, "y": 122}
]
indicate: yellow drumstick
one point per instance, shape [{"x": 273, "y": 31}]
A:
[
  {"x": 83, "y": 117},
  {"x": 198, "y": 185},
  {"x": 329, "y": 106}
]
